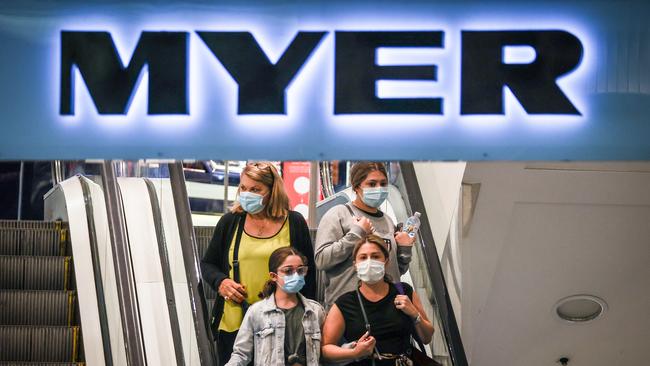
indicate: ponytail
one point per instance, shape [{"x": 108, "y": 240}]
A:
[{"x": 268, "y": 290}]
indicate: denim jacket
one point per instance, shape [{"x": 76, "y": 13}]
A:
[{"x": 262, "y": 334}]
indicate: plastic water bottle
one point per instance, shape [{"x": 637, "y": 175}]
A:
[{"x": 412, "y": 225}]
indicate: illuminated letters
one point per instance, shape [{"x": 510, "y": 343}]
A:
[
  {"x": 111, "y": 85},
  {"x": 262, "y": 85},
  {"x": 484, "y": 74},
  {"x": 357, "y": 72}
]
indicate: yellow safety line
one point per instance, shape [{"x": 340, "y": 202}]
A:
[
  {"x": 70, "y": 307},
  {"x": 66, "y": 267},
  {"x": 63, "y": 237},
  {"x": 75, "y": 334}
]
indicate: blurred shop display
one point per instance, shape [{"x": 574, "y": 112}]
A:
[{"x": 296, "y": 182}]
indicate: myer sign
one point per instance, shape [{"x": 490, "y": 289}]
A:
[{"x": 262, "y": 84}]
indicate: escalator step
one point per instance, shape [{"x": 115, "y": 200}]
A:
[
  {"x": 209, "y": 293},
  {"x": 205, "y": 231},
  {"x": 28, "y": 307},
  {"x": 30, "y": 343},
  {"x": 35, "y": 273},
  {"x": 41, "y": 242},
  {"x": 32, "y": 224},
  {"x": 20, "y": 363}
]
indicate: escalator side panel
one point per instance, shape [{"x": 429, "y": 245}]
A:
[
  {"x": 178, "y": 272},
  {"x": 69, "y": 194}
]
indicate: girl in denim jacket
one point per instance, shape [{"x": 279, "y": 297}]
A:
[{"x": 285, "y": 327}]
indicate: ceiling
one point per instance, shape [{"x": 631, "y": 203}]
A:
[{"x": 542, "y": 232}]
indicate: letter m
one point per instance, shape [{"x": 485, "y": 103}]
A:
[{"x": 111, "y": 85}]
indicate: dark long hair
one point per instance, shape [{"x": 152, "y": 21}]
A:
[
  {"x": 360, "y": 170},
  {"x": 275, "y": 261}
]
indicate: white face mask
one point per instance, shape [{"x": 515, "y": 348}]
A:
[{"x": 370, "y": 271}]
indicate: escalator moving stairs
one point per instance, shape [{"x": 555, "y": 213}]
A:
[
  {"x": 39, "y": 313},
  {"x": 203, "y": 236}
]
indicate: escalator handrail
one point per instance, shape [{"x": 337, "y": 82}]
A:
[
  {"x": 97, "y": 272},
  {"x": 124, "y": 277},
  {"x": 166, "y": 272},
  {"x": 192, "y": 264},
  {"x": 427, "y": 243}
]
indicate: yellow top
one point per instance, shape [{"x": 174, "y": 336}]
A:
[{"x": 254, "y": 256}]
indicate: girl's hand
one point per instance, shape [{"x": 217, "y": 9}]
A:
[
  {"x": 365, "y": 346},
  {"x": 365, "y": 224},
  {"x": 402, "y": 238},
  {"x": 403, "y": 303}
]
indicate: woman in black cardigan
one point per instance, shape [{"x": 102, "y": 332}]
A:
[{"x": 262, "y": 221}]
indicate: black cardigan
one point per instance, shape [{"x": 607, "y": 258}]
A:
[{"x": 215, "y": 267}]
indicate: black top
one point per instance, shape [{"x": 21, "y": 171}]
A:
[
  {"x": 215, "y": 267},
  {"x": 389, "y": 325},
  {"x": 294, "y": 336}
]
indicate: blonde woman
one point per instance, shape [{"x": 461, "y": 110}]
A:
[{"x": 259, "y": 223}]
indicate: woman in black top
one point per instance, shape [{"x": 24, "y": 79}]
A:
[
  {"x": 393, "y": 317},
  {"x": 261, "y": 210}
]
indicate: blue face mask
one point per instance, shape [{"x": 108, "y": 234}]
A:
[
  {"x": 293, "y": 283},
  {"x": 251, "y": 202},
  {"x": 374, "y": 197}
]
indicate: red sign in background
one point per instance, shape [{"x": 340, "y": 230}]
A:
[{"x": 296, "y": 182}]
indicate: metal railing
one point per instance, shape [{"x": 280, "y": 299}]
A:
[
  {"x": 97, "y": 272},
  {"x": 192, "y": 264},
  {"x": 125, "y": 281},
  {"x": 166, "y": 273},
  {"x": 413, "y": 198}
]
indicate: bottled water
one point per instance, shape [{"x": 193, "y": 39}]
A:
[{"x": 412, "y": 225}]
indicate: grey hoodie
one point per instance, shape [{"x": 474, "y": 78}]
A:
[{"x": 337, "y": 235}]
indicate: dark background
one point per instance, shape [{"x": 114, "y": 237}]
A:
[{"x": 37, "y": 181}]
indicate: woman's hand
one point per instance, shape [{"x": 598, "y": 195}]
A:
[
  {"x": 231, "y": 290},
  {"x": 402, "y": 238},
  {"x": 403, "y": 303},
  {"x": 365, "y": 346},
  {"x": 365, "y": 224}
]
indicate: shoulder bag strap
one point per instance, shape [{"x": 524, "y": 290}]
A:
[
  {"x": 347, "y": 205},
  {"x": 235, "y": 256},
  {"x": 365, "y": 319},
  {"x": 414, "y": 334},
  {"x": 351, "y": 214}
]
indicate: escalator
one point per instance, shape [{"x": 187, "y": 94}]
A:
[
  {"x": 39, "y": 305},
  {"x": 39, "y": 316},
  {"x": 203, "y": 236}
]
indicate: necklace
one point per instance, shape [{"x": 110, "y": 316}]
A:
[{"x": 259, "y": 225}]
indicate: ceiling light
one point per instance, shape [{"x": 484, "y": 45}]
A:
[{"x": 580, "y": 308}]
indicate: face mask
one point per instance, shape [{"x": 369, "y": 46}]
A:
[
  {"x": 370, "y": 271},
  {"x": 251, "y": 202},
  {"x": 293, "y": 283},
  {"x": 374, "y": 197}
]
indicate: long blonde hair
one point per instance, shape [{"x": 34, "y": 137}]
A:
[{"x": 265, "y": 172}]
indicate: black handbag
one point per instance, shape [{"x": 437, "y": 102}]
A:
[{"x": 420, "y": 358}]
